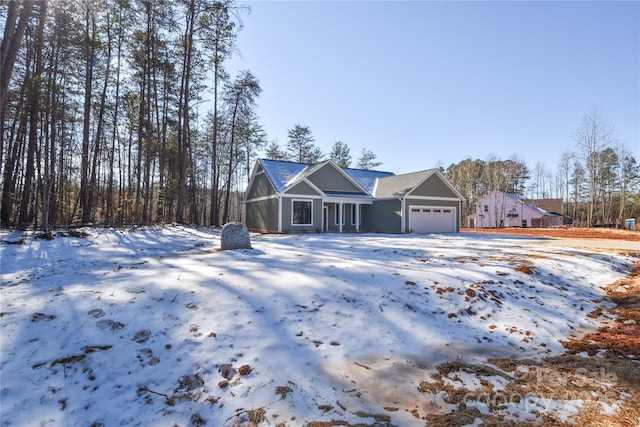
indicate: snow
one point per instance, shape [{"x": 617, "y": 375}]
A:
[{"x": 143, "y": 326}]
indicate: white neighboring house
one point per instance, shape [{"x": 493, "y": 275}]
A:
[{"x": 499, "y": 209}]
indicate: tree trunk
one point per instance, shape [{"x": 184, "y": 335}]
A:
[
  {"x": 26, "y": 209},
  {"x": 89, "y": 56},
  {"x": 184, "y": 131}
]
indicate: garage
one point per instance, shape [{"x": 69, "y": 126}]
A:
[{"x": 432, "y": 219}]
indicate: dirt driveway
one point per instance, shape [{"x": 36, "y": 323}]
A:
[{"x": 589, "y": 238}]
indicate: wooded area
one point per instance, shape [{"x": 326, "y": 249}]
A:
[
  {"x": 102, "y": 122},
  {"x": 101, "y": 119},
  {"x": 598, "y": 180}
]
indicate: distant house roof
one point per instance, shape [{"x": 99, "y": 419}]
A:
[{"x": 540, "y": 211}]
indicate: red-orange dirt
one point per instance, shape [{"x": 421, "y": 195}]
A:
[{"x": 568, "y": 233}]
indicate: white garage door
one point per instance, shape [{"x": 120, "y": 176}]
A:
[{"x": 432, "y": 219}]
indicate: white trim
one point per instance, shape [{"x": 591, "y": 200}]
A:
[
  {"x": 306, "y": 181},
  {"x": 301, "y": 196},
  {"x": 375, "y": 187},
  {"x": 335, "y": 218},
  {"x": 362, "y": 201},
  {"x": 260, "y": 199},
  {"x": 308, "y": 200},
  {"x": 442, "y": 199},
  {"x": 442, "y": 178}
]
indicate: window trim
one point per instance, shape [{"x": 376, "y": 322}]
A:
[{"x": 293, "y": 202}]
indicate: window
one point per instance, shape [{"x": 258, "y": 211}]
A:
[
  {"x": 301, "y": 212},
  {"x": 486, "y": 208},
  {"x": 353, "y": 214}
]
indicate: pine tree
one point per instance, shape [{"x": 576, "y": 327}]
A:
[
  {"x": 367, "y": 159},
  {"x": 341, "y": 154},
  {"x": 300, "y": 147}
]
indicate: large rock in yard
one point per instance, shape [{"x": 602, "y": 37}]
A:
[{"x": 235, "y": 235}]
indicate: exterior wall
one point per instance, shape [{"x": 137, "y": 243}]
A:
[
  {"x": 434, "y": 187},
  {"x": 328, "y": 178},
  {"x": 439, "y": 203},
  {"x": 498, "y": 210},
  {"x": 547, "y": 221},
  {"x": 302, "y": 188},
  {"x": 316, "y": 216},
  {"x": 383, "y": 216},
  {"x": 260, "y": 187},
  {"x": 262, "y": 215}
]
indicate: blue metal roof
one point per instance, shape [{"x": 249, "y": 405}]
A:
[
  {"x": 366, "y": 178},
  {"x": 281, "y": 172}
]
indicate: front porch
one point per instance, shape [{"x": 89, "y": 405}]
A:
[{"x": 342, "y": 213}]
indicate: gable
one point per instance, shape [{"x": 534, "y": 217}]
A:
[
  {"x": 433, "y": 186},
  {"x": 328, "y": 178},
  {"x": 260, "y": 186},
  {"x": 302, "y": 188}
]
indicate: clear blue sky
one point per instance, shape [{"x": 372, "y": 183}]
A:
[{"x": 426, "y": 83}]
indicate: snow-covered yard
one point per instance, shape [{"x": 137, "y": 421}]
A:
[{"x": 155, "y": 326}]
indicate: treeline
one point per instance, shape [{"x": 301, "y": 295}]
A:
[
  {"x": 598, "y": 180},
  {"x": 300, "y": 148},
  {"x": 123, "y": 112},
  {"x": 102, "y": 113}
]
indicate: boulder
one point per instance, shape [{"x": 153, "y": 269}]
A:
[{"x": 235, "y": 235}]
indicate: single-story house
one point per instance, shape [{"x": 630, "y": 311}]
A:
[
  {"x": 289, "y": 197},
  {"x": 500, "y": 209}
]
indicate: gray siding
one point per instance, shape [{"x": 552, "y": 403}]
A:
[
  {"x": 434, "y": 187},
  {"x": 260, "y": 187},
  {"x": 329, "y": 179},
  {"x": 316, "y": 216},
  {"x": 382, "y": 216},
  {"x": 302, "y": 188},
  {"x": 262, "y": 215}
]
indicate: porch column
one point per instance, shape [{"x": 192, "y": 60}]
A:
[
  {"x": 340, "y": 214},
  {"x": 357, "y": 208}
]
